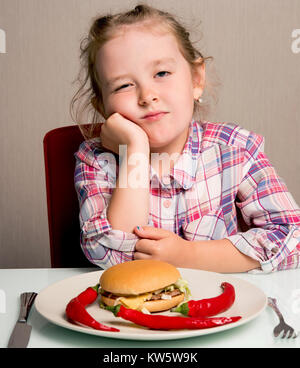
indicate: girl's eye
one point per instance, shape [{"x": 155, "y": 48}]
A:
[
  {"x": 159, "y": 74},
  {"x": 162, "y": 74},
  {"x": 122, "y": 87}
]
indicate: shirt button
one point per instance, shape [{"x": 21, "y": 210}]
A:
[
  {"x": 167, "y": 203},
  {"x": 296, "y": 234}
]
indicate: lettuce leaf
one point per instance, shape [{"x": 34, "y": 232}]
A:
[{"x": 182, "y": 285}]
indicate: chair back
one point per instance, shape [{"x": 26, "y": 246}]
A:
[{"x": 62, "y": 203}]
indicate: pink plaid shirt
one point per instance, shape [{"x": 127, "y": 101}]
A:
[{"x": 221, "y": 173}]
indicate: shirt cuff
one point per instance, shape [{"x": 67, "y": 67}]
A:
[
  {"x": 255, "y": 244},
  {"x": 119, "y": 240},
  {"x": 99, "y": 229}
]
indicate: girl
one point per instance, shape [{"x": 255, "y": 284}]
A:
[{"x": 155, "y": 182}]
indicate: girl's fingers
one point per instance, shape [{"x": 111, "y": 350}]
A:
[
  {"x": 145, "y": 246},
  {"x": 150, "y": 232},
  {"x": 139, "y": 255}
]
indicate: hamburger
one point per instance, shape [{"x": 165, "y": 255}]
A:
[{"x": 145, "y": 285}]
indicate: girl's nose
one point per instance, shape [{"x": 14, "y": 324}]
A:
[{"x": 146, "y": 97}]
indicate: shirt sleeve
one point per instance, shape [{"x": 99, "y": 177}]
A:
[
  {"x": 95, "y": 178},
  {"x": 270, "y": 212}
]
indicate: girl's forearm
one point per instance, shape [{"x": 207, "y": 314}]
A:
[
  {"x": 217, "y": 256},
  {"x": 129, "y": 204}
]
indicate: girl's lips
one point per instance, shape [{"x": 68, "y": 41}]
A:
[{"x": 154, "y": 116}]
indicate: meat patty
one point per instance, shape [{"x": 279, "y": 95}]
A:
[{"x": 153, "y": 297}]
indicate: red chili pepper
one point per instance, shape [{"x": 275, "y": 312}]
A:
[
  {"x": 209, "y": 307},
  {"x": 88, "y": 296},
  {"x": 160, "y": 322},
  {"x": 75, "y": 310}
]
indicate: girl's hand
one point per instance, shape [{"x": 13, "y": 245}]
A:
[
  {"x": 160, "y": 244},
  {"x": 118, "y": 130}
]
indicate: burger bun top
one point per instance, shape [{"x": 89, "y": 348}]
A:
[{"x": 138, "y": 277}]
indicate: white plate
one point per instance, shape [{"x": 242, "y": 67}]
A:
[{"x": 51, "y": 303}]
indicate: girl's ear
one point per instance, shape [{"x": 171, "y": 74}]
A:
[{"x": 198, "y": 78}]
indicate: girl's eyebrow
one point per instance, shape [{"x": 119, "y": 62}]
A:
[
  {"x": 154, "y": 63},
  {"x": 167, "y": 60}
]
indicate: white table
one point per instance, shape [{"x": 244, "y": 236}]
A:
[{"x": 284, "y": 285}]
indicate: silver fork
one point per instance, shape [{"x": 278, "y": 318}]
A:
[{"x": 286, "y": 330}]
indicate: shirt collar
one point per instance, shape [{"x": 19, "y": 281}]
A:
[{"x": 184, "y": 171}]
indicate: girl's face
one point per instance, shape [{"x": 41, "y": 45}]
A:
[{"x": 146, "y": 79}]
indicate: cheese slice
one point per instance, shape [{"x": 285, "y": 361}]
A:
[{"x": 134, "y": 302}]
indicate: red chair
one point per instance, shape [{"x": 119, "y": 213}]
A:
[{"x": 63, "y": 209}]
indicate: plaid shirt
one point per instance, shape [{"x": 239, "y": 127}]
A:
[{"x": 221, "y": 173}]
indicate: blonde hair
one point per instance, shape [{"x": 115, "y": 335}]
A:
[{"x": 102, "y": 30}]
